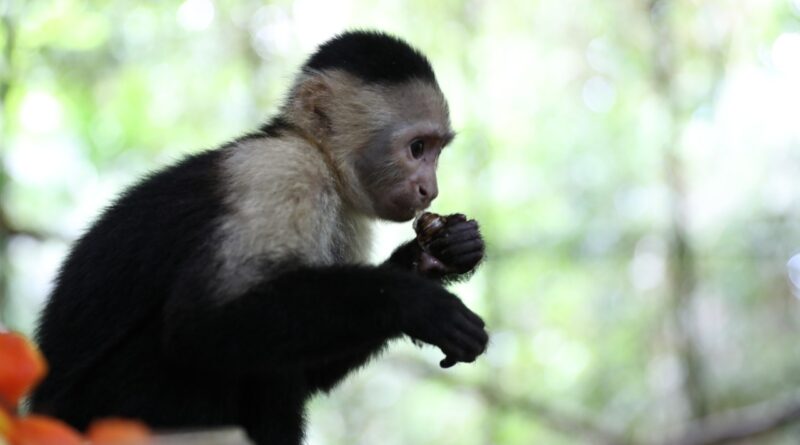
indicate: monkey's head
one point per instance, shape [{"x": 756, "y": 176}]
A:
[{"x": 371, "y": 103}]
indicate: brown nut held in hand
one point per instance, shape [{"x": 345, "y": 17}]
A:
[{"x": 427, "y": 226}]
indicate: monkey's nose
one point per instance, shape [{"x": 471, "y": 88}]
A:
[{"x": 428, "y": 193}]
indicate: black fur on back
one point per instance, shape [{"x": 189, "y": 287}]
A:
[
  {"x": 103, "y": 317},
  {"x": 373, "y": 56}
]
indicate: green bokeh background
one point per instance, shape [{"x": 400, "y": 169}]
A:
[{"x": 635, "y": 167}]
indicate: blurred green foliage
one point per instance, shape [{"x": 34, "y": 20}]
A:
[{"x": 634, "y": 166}]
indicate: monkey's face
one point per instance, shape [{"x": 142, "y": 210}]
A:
[
  {"x": 385, "y": 139},
  {"x": 398, "y": 164},
  {"x": 399, "y": 170}
]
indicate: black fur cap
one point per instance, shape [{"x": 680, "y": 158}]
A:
[{"x": 373, "y": 56}]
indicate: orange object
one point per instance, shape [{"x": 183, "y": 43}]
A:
[
  {"x": 21, "y": 368},
  {"x": 118, "y": 432},
  {"x": 6, "y": 424},
  {"x": 40, "y": 430}
]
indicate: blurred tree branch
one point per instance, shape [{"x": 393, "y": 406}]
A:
[
  {"x": 683, "y": 260},
  {"x": 682, "y": 271},
  {"x": 9, "y": 230},
  {"x": 568, "y": 423},
  {"x": 743, "y": 423}
]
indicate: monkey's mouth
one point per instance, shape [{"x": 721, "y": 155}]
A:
[
  {"x": 419, "y": 210},
  {"x": 400, "y": 210}
]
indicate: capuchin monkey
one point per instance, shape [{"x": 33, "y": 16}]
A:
[{"x": 231, "y": 287}]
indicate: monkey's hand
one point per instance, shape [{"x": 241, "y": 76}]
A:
[
  {"x": 452, "y": 253},
  {"x": 437, "y": 317},
  {"x": 459, "y": 246}
]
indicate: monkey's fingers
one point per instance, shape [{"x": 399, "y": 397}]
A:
[
  {"x": 466, "y": 263},
  {"x": 464, "y": 342},
  {"x": 457, "y": 227},
  {"x": 468, "y": 348},
  {"x": 464, "y": 338},
  {"x": 447, "y": 362},
  {"x": 449, "y": 239},
  {"x": 462, "y": 248},
  {"x": 471, "y": 336},
  {"x": 452, "y": 351},
  {"x": 475, "y": 318},
  {"x": 464, "y": 257},
  {"x": 454, "y": 218}
]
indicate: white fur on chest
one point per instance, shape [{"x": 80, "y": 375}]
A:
[{"x": 282, "y": 205}]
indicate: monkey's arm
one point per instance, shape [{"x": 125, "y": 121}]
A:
[
  {"x": 311, "y": 315},
  {"x": 406, "y": 256},
  {"x": 455, "y": 252}
]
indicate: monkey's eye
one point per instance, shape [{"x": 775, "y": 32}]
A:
[{"x": 417, "y": 148}]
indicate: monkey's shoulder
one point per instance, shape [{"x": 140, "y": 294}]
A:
[
  {"x": 276, "y": 169},
  {"x": 281, "y": 202}
]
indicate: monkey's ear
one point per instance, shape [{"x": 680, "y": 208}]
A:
[{"x": 314, "y": 96}]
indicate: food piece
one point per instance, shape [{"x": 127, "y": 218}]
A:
[{"x": 427, "y": 226}]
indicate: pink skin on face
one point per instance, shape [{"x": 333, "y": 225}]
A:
[{"x": 416, "y": 149}]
